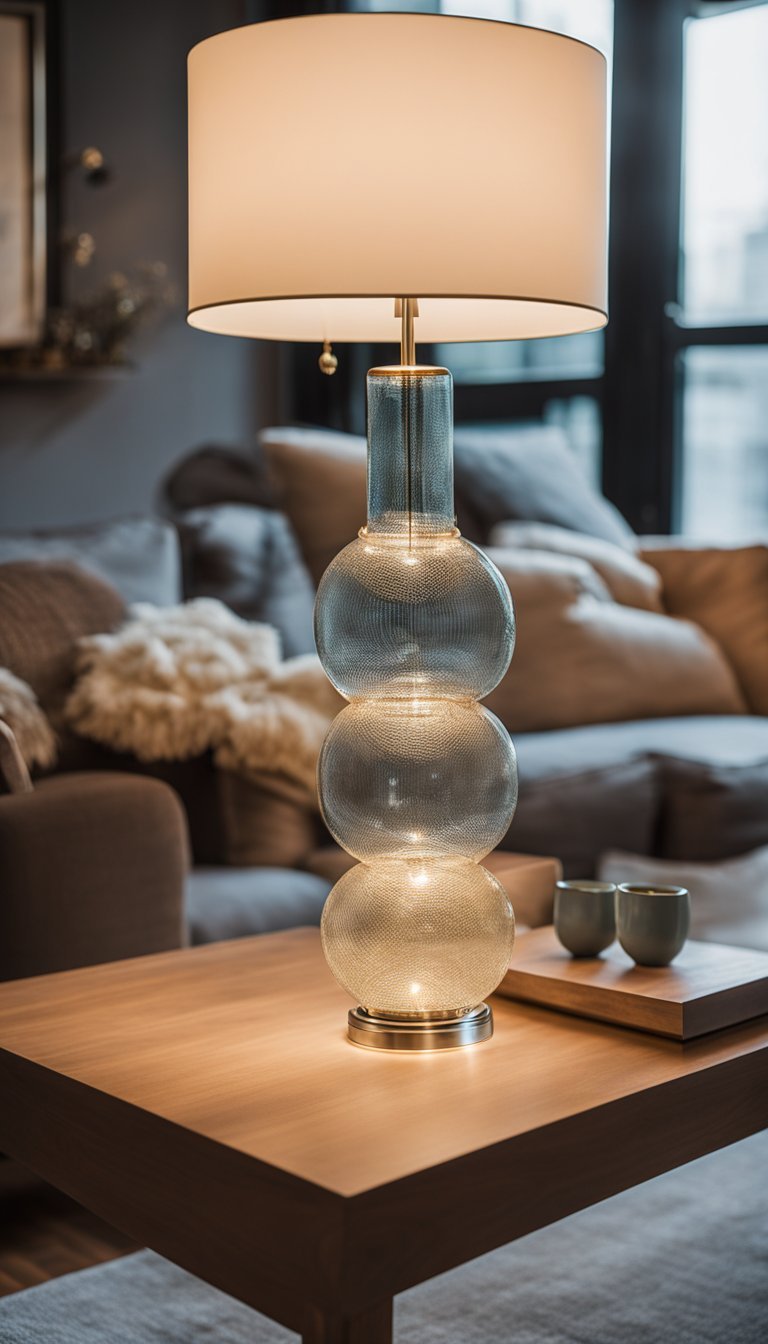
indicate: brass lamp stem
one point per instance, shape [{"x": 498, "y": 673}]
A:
[{"x": 407, "y": 310}]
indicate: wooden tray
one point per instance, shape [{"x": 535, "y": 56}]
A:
[{"x": 707, "y": 987}]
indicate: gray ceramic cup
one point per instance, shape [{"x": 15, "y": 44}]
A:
[
  {"x": 652, "y": 922},
  {"x": 585, "y": 916}
]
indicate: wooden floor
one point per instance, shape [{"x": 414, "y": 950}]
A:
[{"x": 44, "y": 1234}]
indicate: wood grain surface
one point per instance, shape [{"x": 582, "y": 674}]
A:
[
  {"x": 709, "y": 986},
  {"x": 208, "y": 1104}
]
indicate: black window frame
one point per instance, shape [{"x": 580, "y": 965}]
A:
[{"x": 639, "y": 393}]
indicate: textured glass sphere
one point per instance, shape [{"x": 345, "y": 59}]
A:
[
  {"x": 418, "y": 936},
  {"x": 414, "y": 625},
  {"x": 418, "y": 777},
  {"x": 425, "y": 617}
]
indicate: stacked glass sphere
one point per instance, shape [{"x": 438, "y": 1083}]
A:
[{"x": 418, "y": 781}]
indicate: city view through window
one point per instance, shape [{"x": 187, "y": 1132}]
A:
[{"x": 724, "y": 274}]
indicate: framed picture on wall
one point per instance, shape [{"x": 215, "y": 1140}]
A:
[{"x": 23, "y": 172}]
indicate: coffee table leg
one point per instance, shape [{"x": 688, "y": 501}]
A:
[{"x": 369, "y": 1327}]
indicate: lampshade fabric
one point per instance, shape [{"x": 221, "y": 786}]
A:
[{"x": 337, "y": 161}]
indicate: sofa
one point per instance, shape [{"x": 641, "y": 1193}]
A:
[{"x": 605, "y": 621}]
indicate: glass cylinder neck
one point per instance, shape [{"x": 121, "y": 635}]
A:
[{"x": 410, "y": 451}]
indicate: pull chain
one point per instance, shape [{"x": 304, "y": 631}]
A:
[{"x": 328, "y": 362}]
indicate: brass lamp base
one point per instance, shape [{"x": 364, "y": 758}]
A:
[{"x": 443, "y": 1033}]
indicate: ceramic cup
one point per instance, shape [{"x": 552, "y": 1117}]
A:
[
  {"x": 585, "y": 918},
  {"x": 652, "y": 922}
]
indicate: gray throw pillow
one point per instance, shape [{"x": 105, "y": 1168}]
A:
[
  {"x": 528, "y": 473},
  {"x": 139, "y": 557},
  {"x": 578, "y": 813},
  {"x": 249, "y": 559},
  {"x": 713, "y": 811},
  {"x": 218, "y": 475}
]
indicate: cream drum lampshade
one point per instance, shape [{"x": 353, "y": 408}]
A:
[
  {"x": 339, "y": 160},
  {"x": 375, "y": 177}
]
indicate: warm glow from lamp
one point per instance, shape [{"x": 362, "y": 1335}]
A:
[{"x": 339, "y": 161}]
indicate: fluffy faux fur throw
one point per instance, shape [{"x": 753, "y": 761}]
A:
[
  {"x": 19, "y": 709},
  {"x": 177, "y": 681}
]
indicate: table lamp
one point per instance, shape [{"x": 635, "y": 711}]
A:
[{"x": 374, "y": 177}]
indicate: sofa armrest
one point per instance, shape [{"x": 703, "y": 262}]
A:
[{"x": 92, "y": 868}]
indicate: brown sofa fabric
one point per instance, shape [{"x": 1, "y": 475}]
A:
[
  {"x": 581, "y": 658},
  {"x": 725, "y": 590},
  {"x": 92, "y": 868},
  {"x": 45, "y": 607}
]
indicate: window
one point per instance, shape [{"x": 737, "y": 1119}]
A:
[
  {"x": 724, "y": 268},
  {"x": 725, "y": 437},
  {"x": 722, "y": 490},
  {"x": 565, "y": 357},
  {"x": 557, "y": 380}
]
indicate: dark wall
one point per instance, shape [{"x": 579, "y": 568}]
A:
[{"x": 95, "y": 446}]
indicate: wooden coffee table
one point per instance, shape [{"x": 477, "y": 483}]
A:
[{"x": 208, "y": 1103}]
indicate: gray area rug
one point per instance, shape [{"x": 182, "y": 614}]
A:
[{"x": 680, "y": 1260}]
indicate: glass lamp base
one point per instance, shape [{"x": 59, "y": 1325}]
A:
[{"x": 444, "y": 1033}]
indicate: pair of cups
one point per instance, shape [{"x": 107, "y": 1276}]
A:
[{"x": 651, "y": 921}]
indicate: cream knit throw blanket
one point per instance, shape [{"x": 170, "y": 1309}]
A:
[
  {"x": 175, "y": 682},
  {"x": 26, "y": 736}
]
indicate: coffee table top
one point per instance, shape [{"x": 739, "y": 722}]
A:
[{"x": 244, "y": 1043}]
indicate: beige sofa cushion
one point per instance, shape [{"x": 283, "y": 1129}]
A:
[
  {"x": 725, "y": 590},
  {"x": 628, "y": 579},
  {"x": 320, "y": 483},
  {"x": 581, "y": 658},
  {"x": 540, "y": 576}
]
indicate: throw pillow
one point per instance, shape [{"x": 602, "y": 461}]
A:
[
  {"x": 320, "y": 482},
  {"x": 266, "y": 820},
  {"x": 729, "y": 900},
  {"x": 725, "y": 590},
  {"x": 531, "y": 475},
  {"x": 580, "y": 658},
  {"x": 213, "y": 475},
  {"x": 629, "y": 580},
  {"x": 139, "y": 557},
  {"x": 44, "y": 610},
  {"x": 711, "y": 810},
  {"x": 582, "y": 809},
  {"x": 249, "y": 559}
]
